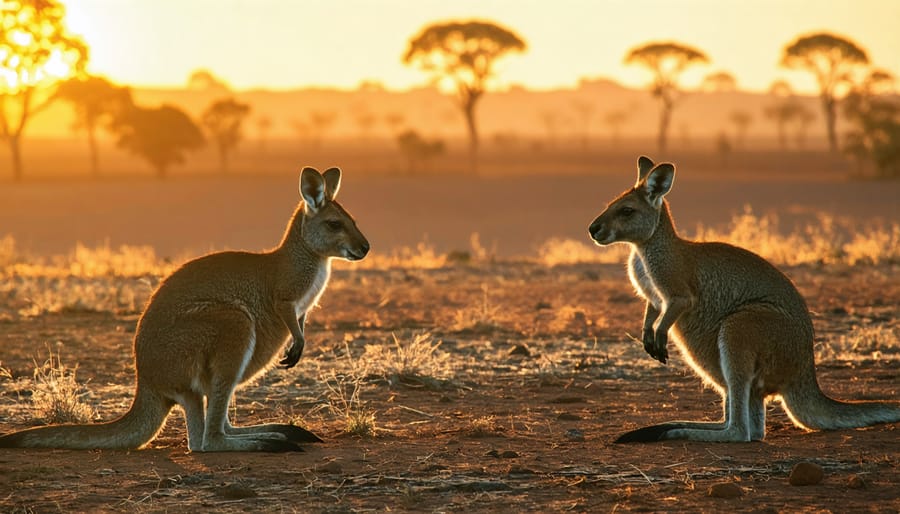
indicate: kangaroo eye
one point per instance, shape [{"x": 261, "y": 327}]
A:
[
  {"x": 334, "y": 224},
  {"x": 626, "y": 211}
]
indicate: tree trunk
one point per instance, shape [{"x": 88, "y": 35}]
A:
[
  {"x": 92, "y": 145},
  {"x": 15, "y": 151},
  {"x": 665, "y": 117},
  {"x": 469, "y": 111},
  {"x": 828, "y": 105},
  {"x": 223, "y": 159}
]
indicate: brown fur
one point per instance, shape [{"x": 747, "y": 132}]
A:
[
  {"x": 738, "y": 321},
  {"x": 216, "y": 323}
]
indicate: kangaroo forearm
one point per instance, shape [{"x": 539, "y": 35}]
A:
[
  {"x": 673, "y": 309},
  {"x": 289, "y": 318}
]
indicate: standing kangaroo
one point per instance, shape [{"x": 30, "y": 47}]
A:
[
  {"x": 739, "y": 322},
  {"x": 218, "y": 322}
]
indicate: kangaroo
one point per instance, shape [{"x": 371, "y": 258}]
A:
[
  {"x": 738, "y": 321},
  {"x": 218, "y": 322}
]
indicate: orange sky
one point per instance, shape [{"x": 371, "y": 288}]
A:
[{"x": 294, "y": 43}]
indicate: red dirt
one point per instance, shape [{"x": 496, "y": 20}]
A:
[{"x": 494, "y": 435}]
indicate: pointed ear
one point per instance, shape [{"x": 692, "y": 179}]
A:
[
  {"x": 658, "y": 183},
  {"x": 312, "y": 188},
  {"x": 332, "y": 182},
  {"x": 644, "y": 166}
]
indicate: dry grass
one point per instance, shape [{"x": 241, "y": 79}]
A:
[
  {"x": 344, "y": 402},
  {"x": 874, "y": 342},
  {"x": 417, "y": 361},
  {"x": 57, "y": 394}
]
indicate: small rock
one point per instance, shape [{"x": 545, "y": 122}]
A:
[
  {"x": 331, "y": 467},
  {"x": 509, "y": 454},
  {"x": 573, "y": 434},
  {"x": 543, "y": 306},
  {"x": 520, "y": 349},
  {"x": 568, "y": 416},
  {"x": 492, "y": 453},
  {"x": 236, "y": 492},
  {"x": 856, "y": 482},
  {"x": 806, "y": 473},
  {"x": 725, "y": 490}
]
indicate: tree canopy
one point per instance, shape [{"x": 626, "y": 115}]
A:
[
  {"x": 224, "y": 120},
  {"x": 832, "y": 60},
  {"x": 161, "y": 135},
  {"x": 666, "y": 60},
  {"x": 94, "y": 100},
  {"x": 36, "y": 52},
  {"x": 463, "y": 52}
]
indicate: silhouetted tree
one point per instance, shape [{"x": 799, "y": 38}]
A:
[
  {"x": 585, "y": 113},
  {"x": 263, "y": 126},
  {"x": 463, "y": 52},
  {"x": 719, "y": 82},
  {"x": 831, "y": 59},
  {"x": 741, "y": 120},
  {"x": 321, "y": 122},
  {"x": 36, "y": 53},
  {"x": 95, "y": 100},
  {"x": 364, "y": 120},
  {"x": 418, "y": 151},
  {"x": 204, "y": 81},
  {"x": 224, "y": 120},
  {"x": 162, "y": 135},
  {"x": 394, "y": 121},
  {"x": 803, "y": 118},
  {"x": 615, "y": 119},
  {"x": 874, "y": 111},
  {"x": 666, "y": 61},
  {"x": 783, "y": 110}
]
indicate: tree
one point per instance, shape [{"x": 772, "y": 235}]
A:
[
  {"x": 36, "y": 53},
  {"x": 464, "y": 53},
  {"x": 831, "y": 59},
  {"x": 741, "y": 120},
  {"x": 783, "y": 110},
  {"x": 224, "y": 120},
  {"x": 615, "y": 119},
  {"x": 874, "y": 112},
  {"x": 418, "y": 151},
  {"x": 95, "y": 100},
  {"x": 263, "y": 126},
  {"x": 161, "y": 135},
  {"x": 666, "y": 61},
  {"x": 719, "y": 82}
]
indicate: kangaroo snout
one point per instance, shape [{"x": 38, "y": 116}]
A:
[
  {"x": 358, "y": 253},
  {"x": 599, "y": 233}
]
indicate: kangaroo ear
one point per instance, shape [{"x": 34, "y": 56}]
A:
[
  {"x": 332, "y": 182},
  {"x": 312, "y": 188},
  {"x": 658, "y": 183},
  {"x": 644, "y": 166}
]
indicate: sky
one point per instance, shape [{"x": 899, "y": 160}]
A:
[{"x": 286, "y": 44}]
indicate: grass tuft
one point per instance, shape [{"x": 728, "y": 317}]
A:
[{"x": 58, "y": 395}]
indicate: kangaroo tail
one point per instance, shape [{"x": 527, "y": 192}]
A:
[
  {"x": 810, "y": 408},
  {"x": 133, "y": 430}
]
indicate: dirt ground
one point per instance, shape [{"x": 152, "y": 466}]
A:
[{"x": 537, "y": 376}]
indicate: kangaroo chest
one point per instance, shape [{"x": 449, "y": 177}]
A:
[{"x": 310, "y": 297}]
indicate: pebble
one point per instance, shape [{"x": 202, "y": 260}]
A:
[
  {"x": 856, "y": 482},
  {"x": 725, "y": 490},
  {"x": 236, "y": 492},
  {"x": 806, "y": 473},
  {"x": 573, "y": 434}
]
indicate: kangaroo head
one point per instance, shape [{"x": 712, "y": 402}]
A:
[
  {"x": 328, "y": 229},
  {"x": 633, "y": 216}
]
